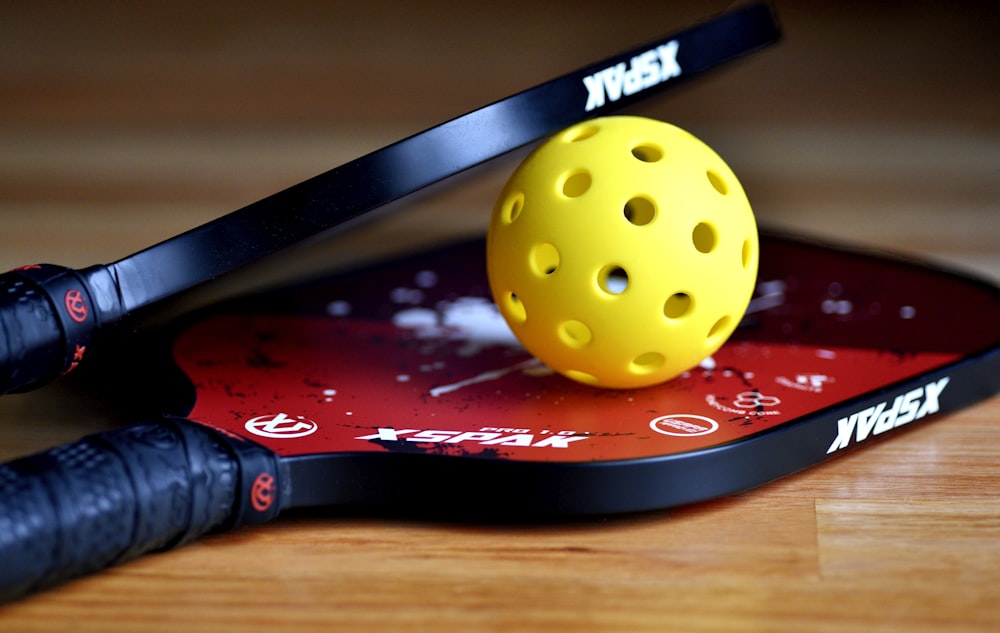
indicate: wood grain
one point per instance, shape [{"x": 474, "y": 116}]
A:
[{"x": 872, "y": 123}]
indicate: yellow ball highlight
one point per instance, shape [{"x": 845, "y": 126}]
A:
[{"x": 622, "y": 252}]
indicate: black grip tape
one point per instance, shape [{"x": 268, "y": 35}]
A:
[
  {"x": 113, "y": 496},
  {"x": 48, "y": 323}
]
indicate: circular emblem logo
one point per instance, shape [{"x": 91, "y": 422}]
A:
[
  {"x": 76, "y": 305},
  {"x": 683, "y": 425},
  {"x": 262, "y": 492},
  {"x": 281, "y": 426}
]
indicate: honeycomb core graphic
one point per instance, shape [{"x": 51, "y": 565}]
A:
[{"x": 622, "y": 252}]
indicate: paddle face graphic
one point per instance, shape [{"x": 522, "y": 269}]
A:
[{"x": 400, "y": 389}]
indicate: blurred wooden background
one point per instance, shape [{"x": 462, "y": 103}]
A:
[{"x": 874, "y": 123}]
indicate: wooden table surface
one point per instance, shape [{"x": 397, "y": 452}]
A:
[{"x": 872, "y": 123}]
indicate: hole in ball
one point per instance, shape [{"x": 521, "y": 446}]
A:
[
  {"x": 544, "y": 258},
  {"x": 704, "y": 237},
  {"x": 718, "y": 182},
  {"x": 613, "y": 279},
  {"x": 514, "y": 308},
  {"x": 719, "y": 327},
  {"x": 747, "y": 254},
  {"x": 581, "y": 132},
  {"x": 647, "y": 152},
  {"x": 677, "y": 305},
  {"x": 576, "y": 184},
  {"x": 647, "y": 363},
  {"x": 581, "y": 376},
  {"x": 640, "y": 211},
  {"x": 575, "y": 334},
  {"x": 512, "y": 207}
]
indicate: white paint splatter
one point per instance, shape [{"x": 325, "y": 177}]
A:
[
  {"x": 839, "y": 306},
  {"x": 426, "y": 279},
  {"x": 421, "y": 319},
  {"x": 770, "y": 294},
  {"x": 479, "y": 323},
  {"x": 338, "y": 308},
  {"x": 472, "y": 320},
  {"x": 411, "y": 296},
  {"x": 485, "y": 376}
]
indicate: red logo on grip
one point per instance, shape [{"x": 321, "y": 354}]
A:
[
  {"x": 76, "y": 305},
  {"x": 78, "y": 354},
  {"x": 262, "y": 492}
]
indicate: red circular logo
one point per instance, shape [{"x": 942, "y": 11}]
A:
[
  {"x": 76, "y": 305},
  {"x": 683, "y": 425},
  {"x": 262, "y": 492}
]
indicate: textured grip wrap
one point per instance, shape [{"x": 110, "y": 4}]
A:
[
  {"x": 113, "y": 496},
  {"x": 49, "y": 320}
]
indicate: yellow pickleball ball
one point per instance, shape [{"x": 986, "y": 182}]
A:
[{"x": 622, "y": 252}]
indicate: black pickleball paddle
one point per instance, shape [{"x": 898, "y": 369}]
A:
[
  {"x": 400, "y": 385},
  {"x": 52, "y": 317}
]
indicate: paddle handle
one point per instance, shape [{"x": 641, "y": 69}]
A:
[
  {"x": 113, "y": 496},
  {"x": 50, "y": 319}
]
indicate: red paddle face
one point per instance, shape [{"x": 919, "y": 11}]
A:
[
  {"x": 414, "y": 357},
  {"x": 312, "y": 385}
]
